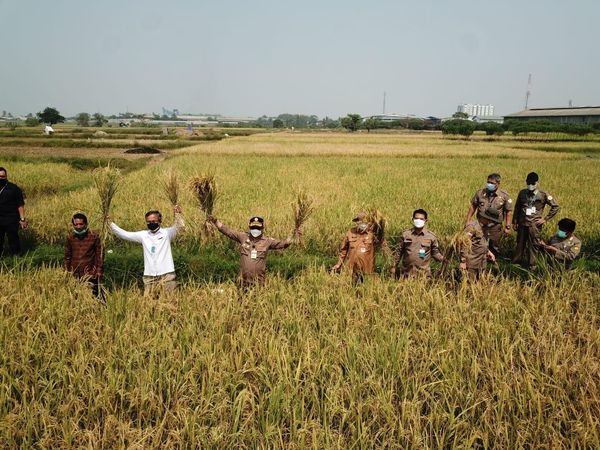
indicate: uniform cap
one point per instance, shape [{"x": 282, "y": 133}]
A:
[
  {"x": 491, "y": 214},
  {"x": 256, "y": 222},
  {"x": 532, "y": 178},
  {"x": 360, "y": 217}
]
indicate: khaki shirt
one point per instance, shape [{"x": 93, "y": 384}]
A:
[
  {"x": 530, "y": 206},
  {"x": 416, "y": 248},
  {"x": 358, "y": 250},
  {"x": 499, "y": 199},
  {"x": 253, "y": 252},
  {"x": 566, "y": 249},
  {"x": 476, "y": 258}
]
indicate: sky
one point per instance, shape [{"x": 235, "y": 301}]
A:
[{"x": 329, "y": 58}]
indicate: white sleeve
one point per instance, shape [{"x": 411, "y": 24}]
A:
[
  {"x": 133, "y": 236},
  {"x": 178, "y": 225}
]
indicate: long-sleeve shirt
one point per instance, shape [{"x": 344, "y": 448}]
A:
[
  {"x": 499, "y": 199},
  {"x": 158, "y": 258},
  {"x": 83, "y": 255},
  {"x": 566, "y": 249},
  {"x": 253, "y": 252},
  {"x": 476, "y": 258},
  {"x": 530, "y": 206},
  {"x": 416, "y": 248},
  {"x": 358, "y": 251}
]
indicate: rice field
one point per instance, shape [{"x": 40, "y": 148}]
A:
[{"x": 308, "y": 361}]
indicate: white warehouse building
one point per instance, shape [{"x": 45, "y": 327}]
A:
[{"x": 476, "y": 110}]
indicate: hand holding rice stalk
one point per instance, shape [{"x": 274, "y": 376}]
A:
[
  {"x": 204, "y": 189},
  {"x": 377, "y": 223},
  {"x": 303, "y": 209},
  {"x": 459, "y": 243},
  {"x": 106, "y": 180},
  {"x": 170, "y": 185}
]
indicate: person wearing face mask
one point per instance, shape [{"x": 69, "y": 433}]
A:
[
  {"x": 358, "y": 249},
  {"x": 474, "y": 260},
  {"x": 254, "y": 246},
  {"x": 83, "y": 253},
  {"x": 491, "y": 196},
  {"x": 12, "y": 213},
  {"x": 416, "y": 248},
  {"x": 529, "y": 219},
  {"x": 563, "y": 247},
  {"x": 159, "y": 269}
]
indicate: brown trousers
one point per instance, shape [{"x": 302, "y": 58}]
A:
[
  {"x": 494, "y": 235},
  {"x": 155, "y": 284},
  {"x": 528, "y": 245}
]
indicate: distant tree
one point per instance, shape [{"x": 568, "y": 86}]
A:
[
  {"x": 491, "y": 128},
  {"x": 278, "y": 123},
  {"x": 370, "y": 124},
  {"x": 459, "y": 126},
  {"x": 83, "y": 119},
  {"x": 99, "y": 119},
  {"x": 460, "y": 115},
  {"x": 351, "y": 122},
  {"x": 50, "y": 116},
  {"x": 416, "y": 124},
  {"x": 31, "y": 122},
  {"x": 328, "y": 122}
]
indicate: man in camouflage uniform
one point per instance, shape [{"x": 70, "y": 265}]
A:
[
  {"x": 474, "y": 261},
  {"x": 254, "y": 246},
  {"x": 529, "y": 220},
  {"x": 358, "y": 249},
  {"x": 563, "y": 247},
  {"x": 416, "y": 248},
  {"x": 491, "y": 196}
]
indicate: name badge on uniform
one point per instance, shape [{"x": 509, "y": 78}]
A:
[
  {"x": 363, "y": 250},
  {"x": 530, "y": 211},
  {"x": 253, "y": 254},
  {"x": 422, "y": 253},
  {"x": 153, "y": 249}
]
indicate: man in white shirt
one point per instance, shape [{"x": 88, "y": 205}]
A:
[{"x": 159, "y": 269}]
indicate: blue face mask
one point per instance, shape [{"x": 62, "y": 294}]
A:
[
  {"x": 490, "y": 187},
  {"x": 561, "y": 234}
]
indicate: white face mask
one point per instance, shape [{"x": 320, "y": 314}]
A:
[
  {"x": 362, "y": 227},
  {"x": 255, "y": 233},
  {"x": 532, "y": 187},
  {"x": 418, "y": 223}
]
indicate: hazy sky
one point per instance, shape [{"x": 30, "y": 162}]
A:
[{"x": 310, "y": 57}]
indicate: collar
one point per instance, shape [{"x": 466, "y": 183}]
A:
[{"x": 417, "y": 231}]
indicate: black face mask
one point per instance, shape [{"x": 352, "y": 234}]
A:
[
  {"x": 3, "y": 182},
  {"x": 153, "y": 226}
]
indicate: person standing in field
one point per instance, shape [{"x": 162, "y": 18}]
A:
[
  {"x": 12, "y": 213},
  {"x": 474, "y": 260},
  {"x": 159, "y": 268},
  {"x": 529, "y": 220},
  {"x": 491, "y": 196},
  {"x": 254, "y": 246},
  {"x": 83, "y": 253},
  {"x": 563, "y": 247},
  {"x": 416, "y": 248},
  {"x": 358, "y": 249}
]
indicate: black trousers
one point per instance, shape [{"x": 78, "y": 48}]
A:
[{"x": 11, "y": 230}]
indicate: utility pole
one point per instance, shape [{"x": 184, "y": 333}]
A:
[
  {"x": 528, "y": 93},
  {"x": 384, "y": 102}
]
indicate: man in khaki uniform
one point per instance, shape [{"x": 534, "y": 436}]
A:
[
  {"x": 491, "y": 196},
  {"x": 475, "y": 260},
  {"x": 254, "y": 246},
  {"x": 529, "y": 220},
  {"x": 358, "y": 249},
  {"x": 416, "y": 248},
  {"x": 564, "y": 247}
]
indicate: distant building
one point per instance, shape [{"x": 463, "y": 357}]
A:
[
  {"x": 476, "y": 110},
  {"x": 581, "y": 115},
  {"x": 390, "y": 117},
  {"x": 484, "y": 119}
]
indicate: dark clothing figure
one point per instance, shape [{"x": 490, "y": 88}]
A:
[
  {"x": 253, "y": 253},
  {"x": 83, "y": 258},
  {"x": 416, "y": 248},
  {"x": 11, "y": 199},
  {"x": 499, "y": 199},
  {"x": 529, "y": 211},
  {"x": 567, "y": 249}
]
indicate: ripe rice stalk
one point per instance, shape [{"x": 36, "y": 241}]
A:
[
  {"x": 459, "y": 242},
  {"x": 106, "y": 180},
  {"x": 302, "y": 208},
  {"x": 204, "y": 189},
  {"x": 170, "y": 186},
  {"x": 377, "y": 224}
]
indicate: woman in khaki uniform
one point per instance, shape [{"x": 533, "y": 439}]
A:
[{"x": 474, "y": 261}]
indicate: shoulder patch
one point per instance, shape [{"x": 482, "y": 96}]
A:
[{"x": 509, "y": 200}]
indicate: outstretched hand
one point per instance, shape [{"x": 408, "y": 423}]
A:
[{"x": 177, "y": 209}]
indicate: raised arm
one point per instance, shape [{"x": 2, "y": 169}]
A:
[
  {"x": 132, "y": 236},
  {"x": 178, "y": 222},
  {"x": 231, "y": 234}
]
